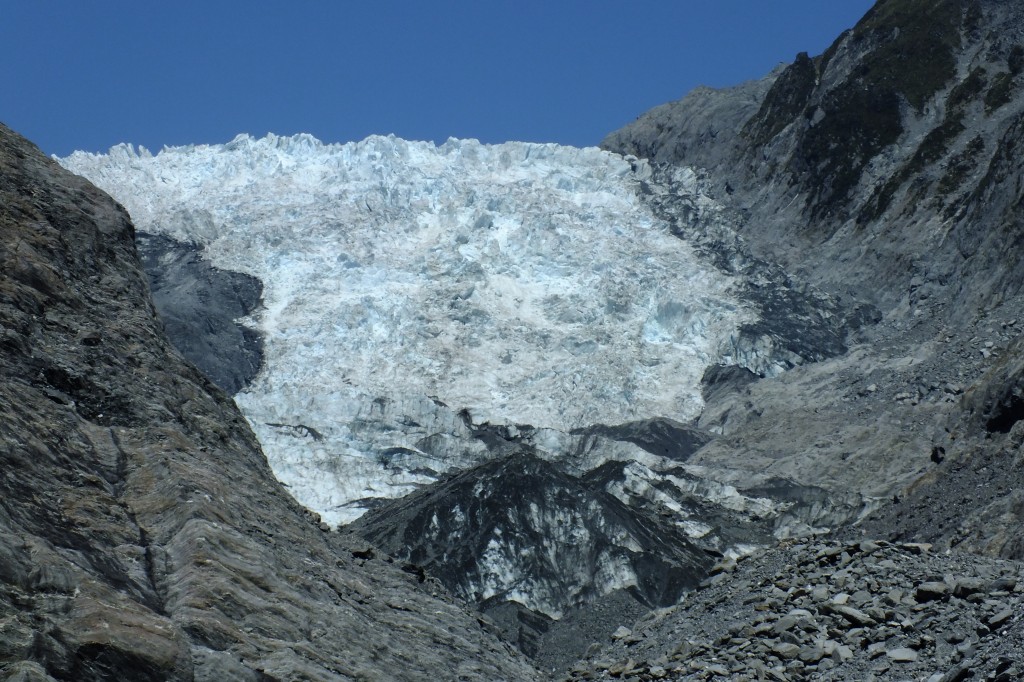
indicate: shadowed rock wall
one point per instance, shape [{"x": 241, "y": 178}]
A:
[{"x": 200, "y": 305}]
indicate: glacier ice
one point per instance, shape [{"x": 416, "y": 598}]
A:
[{"x": 412, "y": 290}]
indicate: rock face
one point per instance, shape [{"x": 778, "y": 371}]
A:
[
  {"x": 519, "y": 534},
  {"x": 494, "y": 533},
  {"x": 200, "y": 306},
  {"x": 143, "y": 534},
  {"x": 529, "y": 544}
]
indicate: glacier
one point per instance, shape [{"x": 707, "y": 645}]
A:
[{"x": 414, "y": 291}]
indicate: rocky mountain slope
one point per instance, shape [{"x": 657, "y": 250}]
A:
[
  {"x": 832, "y": 611},
  {"x": 884, "y": 169},
  {"x": 143, "y": 535}
]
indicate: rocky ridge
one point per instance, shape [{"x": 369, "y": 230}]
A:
[
  {"x": 880, "y": 169},
  {"x": 894, "y": 185},
  {"x": 492, "y": 531}
]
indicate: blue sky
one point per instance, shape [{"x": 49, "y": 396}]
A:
[{"x": 87, "y": 75}]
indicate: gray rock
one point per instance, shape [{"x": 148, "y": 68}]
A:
[
  {"x": 854, "y": 616},
  {"x": 930, "y": 591},
  {"x": 25, "y": 671},
  {"x": 785, "y": 623},
  {"x": 965, "y": 587},
  {"x": 842, "y": 653},
  {"x": 902, "y": 655},
  {"x": 957, "y": 673},
  {"x": 880, "y": 615},
  {"x": 917, "y": 547},
  {"x": 860, "y": 598},
  {"x": 199, "y": 306},
  {"x": 786, "y": 651},
  {"x": 812, "y": 654},
  {"x": 1004, "y": 584},
  {"x": 1000, "y": 619}
]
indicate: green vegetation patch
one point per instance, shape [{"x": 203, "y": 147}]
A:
[
  {"x": 858, "y": 125},
  {"x": 917, "y": 43},
  {"x": 910, "y": 48},
  {"x": 1000, "y": 93},
  {"x": 1005, "y": 161},
  {"x": 1015, "y": 61},
  {"x": 932, "y": 148},
  {"x": 785, "y": 101},
  {"x": 967, "y": 90}
]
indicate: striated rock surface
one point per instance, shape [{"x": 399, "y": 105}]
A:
[{"x": 143, "y": 534}]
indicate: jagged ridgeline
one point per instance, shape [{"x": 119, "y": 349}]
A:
[{"x": 887, "y": 154}]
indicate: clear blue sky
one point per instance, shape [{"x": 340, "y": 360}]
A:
[{"x": 87, "y": 75}]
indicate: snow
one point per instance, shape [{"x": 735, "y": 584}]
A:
[{"x": 404, "y": 282}]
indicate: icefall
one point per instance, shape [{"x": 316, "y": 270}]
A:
[{"x": 406, "y": 281}]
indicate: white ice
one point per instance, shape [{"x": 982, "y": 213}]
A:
[{"x": 405, "y": 281}]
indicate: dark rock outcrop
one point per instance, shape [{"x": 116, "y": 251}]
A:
[
  {"x": 520, "y": 529},
  {"x": 200, "y": 305},
  {"x": 142, "y": 534},
  {"x": 527, "y": 543},
  {"x": 661, "y": 436}
]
